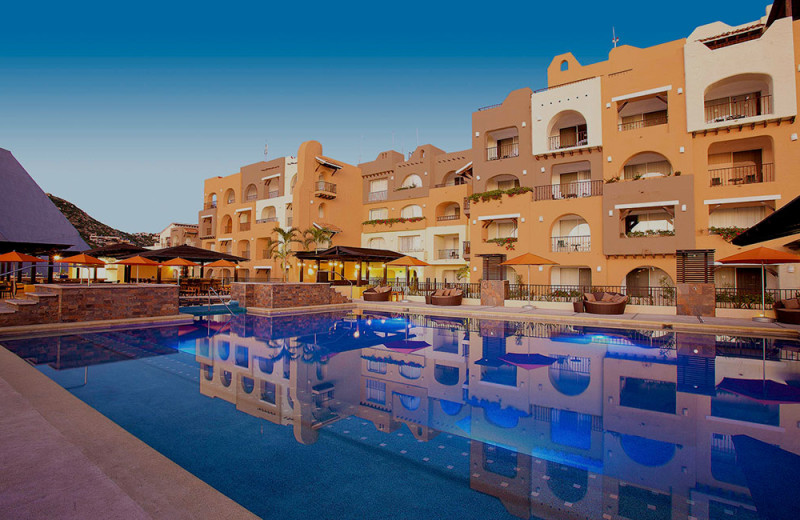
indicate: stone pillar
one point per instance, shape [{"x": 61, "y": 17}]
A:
[
  {"x": 696, "y": 299},
  {"x": 494, "y": 292},
  {"x": 50, "y": 268}
]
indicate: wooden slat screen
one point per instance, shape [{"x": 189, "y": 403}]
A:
[
  {"x": 492, "y": 270},
  {"x": 695, "y": 266}
]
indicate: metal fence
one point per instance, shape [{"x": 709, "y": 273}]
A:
[
  {"x": 750, "y": 298},
  {"x": 421, "y": 288},
  {"x": 570, "y": 293}
]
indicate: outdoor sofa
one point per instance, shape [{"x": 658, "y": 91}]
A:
[
  {"x": 377, "y": 294},
  {"x": 604, "y": 303},
  {"x": 787, "y": 311},
  {"x": 446, "y": 297}
]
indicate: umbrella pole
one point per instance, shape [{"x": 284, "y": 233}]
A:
[
  {"x": 763, "y": 316},
  {"x": 530, "y": 305}
]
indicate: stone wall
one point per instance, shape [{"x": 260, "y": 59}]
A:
[
  {"x": 696, "y": 299},
  {"x": 271, "y": 295},
  {"x": 494, "y": 292},
  {"x": 65, "y": 303}
]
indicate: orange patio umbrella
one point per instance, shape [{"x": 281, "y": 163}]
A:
[
  {"x": 222, "y": 263},
  {"x": 82, "y": 259},
  {"x": 762, "y": 256},
  {"x": 19, "y": 258},
  {"x": 408, "y": 261},
  {"x": 137, "y": 261},
  {"x": 529, "y": 259},
  {"x": 179, "y": 262}
]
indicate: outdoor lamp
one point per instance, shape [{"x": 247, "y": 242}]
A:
[{"x": 310, "y": 272}]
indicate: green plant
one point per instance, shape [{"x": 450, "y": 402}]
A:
[
  {"x": 281, "y": 249},
  {"x": 498, "y": 194},
  {"x": 316, "y": 236},
  {"x": 637, "y": 177},
  {"x": 409, "y": 187},
  {"x": 612, "y": 180},
  {"x": 463, "y": 273},
  {"x": 727, "y": 233},
  {"x": 390, "y": 221},
  {"x": 508, "y": 242},
  {"x": 651, "y": 233},
  {"x": 678, "y": 173}
]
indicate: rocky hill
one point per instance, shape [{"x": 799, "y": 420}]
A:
[{"x": 94, "y": 232}]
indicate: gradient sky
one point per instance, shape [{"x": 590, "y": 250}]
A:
[{"x": 124, "y": 108}]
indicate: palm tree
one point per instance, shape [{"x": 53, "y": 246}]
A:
[
  {"x": 281, "y": 249},
  {"x": 316, "y": 236}
]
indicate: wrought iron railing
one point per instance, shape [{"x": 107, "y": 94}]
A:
[
  {"x": 504, "y": 151},
  {"x": 737, "y": 107},
  {"x": 569, "y": 190},
  {"x": 568, "y": 293},
  {"x": 571, "y": 244},
  {"x": 642, "y": 123},
  {"x": 737, "y": 175},
  {"x": 375, "y": 196},
  {"x": 447, "y": 254},
  {"x": 267, "y": 219},
  {"x": 442, "y": 218},
  {"x": 244, "y": 226},
  {"x": 328, "y": 187},
  {"x": 209, "y": 205},
  {"x": 581, "y": 138},
  {"x": 273, "y": 194},
  {"x": 251, "y": 197},
  {"x": 750, "y": 297}
]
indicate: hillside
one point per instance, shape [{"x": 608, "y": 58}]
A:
[{"x": 94, "y": 232}]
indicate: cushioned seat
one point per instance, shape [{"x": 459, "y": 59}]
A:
[
  {"x": 604, "y": 303},
  {"x": 447, "y": 297},
  {"x": 787, "y": 311},
  {"x": 377, "y": 294}
]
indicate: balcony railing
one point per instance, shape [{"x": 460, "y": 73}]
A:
[
  {"x": 227, "y": 230},
  {"x": 737, "y": 175},
  {"x": 273, "y": 194},
  {"x": 209, "y": 205},
  {"x": 442, "y": 218},
  {"x": 251, "y": 197},
  {"x": 569, "y": 190},
  {"x": 328, "y": 187},
  {"x": 244, "y": 226},
  {"x": 457, "y": 182},
  {"x": 465, "y": 206},
  {"x": 643, "y": 123},
  {"x": 504, "y": 151},
  {"x": 750, "y": 297},
  {"x": 375, "y": 196},
  {"x": 207, "y": 233},
  {"x": 637, "y": 295},
  {"x": 447, "y": 254},
  {"x": 411, "y": 249},
  {"x": 267, "y": 219},
  {"x": 581, "y": 138},
  {"x": 737, "y": 107},
  {"x": 571, "y": 244}
]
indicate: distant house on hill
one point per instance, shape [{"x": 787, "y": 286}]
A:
[
  {"x": 178, "y": 235},
  {"x": 29, "y": 221}
]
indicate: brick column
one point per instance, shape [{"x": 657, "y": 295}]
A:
[
  {"x": 494, "y": 292},
  {"x": 696, "y": 299}
]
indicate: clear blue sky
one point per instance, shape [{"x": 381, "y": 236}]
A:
[{"x": 124, "y": 108}]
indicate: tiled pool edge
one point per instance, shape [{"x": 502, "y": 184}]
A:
[
  {"x": 93, "y": 326},
  {"x": 159, "y": 486}
]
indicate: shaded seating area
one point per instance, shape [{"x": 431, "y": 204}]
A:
[
  {"x": 344, "y": 265},
  {"x": 787, "y": 311},
  {"x": 445, "y": 297},
  {"x": 604, "y": 303}
]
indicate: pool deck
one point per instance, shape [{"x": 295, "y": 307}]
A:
[{"x": 63, "y": 459}]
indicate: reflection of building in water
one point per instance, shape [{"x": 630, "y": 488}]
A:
[{"x": 564, "y": 421}]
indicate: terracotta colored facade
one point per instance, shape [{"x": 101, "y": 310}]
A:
[{"x": 613, "y": 167}]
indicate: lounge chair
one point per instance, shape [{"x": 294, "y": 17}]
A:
[
  {"x": 445, "y": 297},
  {"x": 787, "y": 311},
  {"x": 604, "y": 303},
  {"x": 377, "y": 294}
]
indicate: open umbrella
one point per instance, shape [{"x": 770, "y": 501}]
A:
[
  {"x": 762, "y": 391},
  {"x": 529, "y": 259},
  {"x": 179, "y": 262},
  {"x": 225, "y": 263},
  {"x": 527, "y": 361},
  {"x": 19, "y": 258},
  {"x": 82, "y": 259},
  {"x": 408, "y": 261},
  {"x": 137, "y": 261},
  {"x": 762, "y": 256}
]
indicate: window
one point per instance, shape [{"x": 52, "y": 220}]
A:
[
  {"x": 378, "y": 213},
  {"x": 411, "y": 211},
  {"x": 377, "y": 367},
  {"x": 377, "y": 243},
  {"x": 376, "y": 391},
  {"x": 321, "y": 211},
  {"x": 412, "y": 181},
  {"x": 648, "y": 394},
  {"x": 411, "y": 244},
  {"x": 378, "y": 185}
]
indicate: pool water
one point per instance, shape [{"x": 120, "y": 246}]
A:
[{"x": 376, "y": 415}]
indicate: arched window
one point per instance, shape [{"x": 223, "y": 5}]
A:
[
  {"x": 248, "y": 385},
  {"x": 226, "y": 378},
  {"x": 410, "y": 372},
  {"x": 411, "y": 211},
  {"x": 227, "y": 224},
  {"x": 412, "y": 181},
  {"x": 645, "y": 165},
  {"x": 502, "y": 182},
  {"x": 321, "y": 210},
  {"x": 224, "y": 350},
  {"x": 230, "y": 196},
  {"x": 251, "y": 193},
  {"x": 737, "y": 97},
  {"x": 566, "y": 130},
  {"x": 570, "y": 375},
  {"x": 377, "y": 243},
  {"x": 564, "y": 65}
]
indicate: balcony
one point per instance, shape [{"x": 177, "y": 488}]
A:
[
  {"x": 411, "y": 249},
  {"x": 571, "y": 244},
  {"x": 570, "y": 190},
  {"x": 466, "y": 248},
  {"x": 251, "y": 197},
  {"x": 210, "y": 205},
  {"x": 466, "y": 206},
  {"x": 503, "y": 151},
  {"x": 325, "y": 190},
  {"x": 273, "y": 194},
  {"x": 443, "y": 218},
  {"x": 266, "y": 220},
  {"x": 447, "y": 254},
  {"x": 377, "y": 196},
  {"x": 207, "y": 233},
  {"x": 737, "y": 107},
  {"x": 568, "y": 140},
  {"x": 244, "y": 226},
  {"x": 643, "y": 121},
  {"x": 739, "y": 175}
]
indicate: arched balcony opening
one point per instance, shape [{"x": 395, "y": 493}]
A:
[
  {"x": 411, "y": 211},
  {"x": 646, "y": 165},
  {"x": 741, "y": 161},
  {"x": 227, "y": 224},
  {"x": 251, "y": 193},
  {"x": 643, "y": 282},
  {"x": 567, "y": 130},
  {"x": 244, "y": 221},
  {"x": 230, "y": 196},
  {"x": 505, "y": 181},
  {"x": 268, "y": 214},
  {"x": 377, "y": 243},
  {"x": 211, "y": 201},
  {"x": 445, "y": 375},
  {"x": 248, "y": 385},
  {"x": 502, "y": 144},
  {"x": 272, "y": 188},
  {"x": 738, "y": 97},
  {"x": 571, "y": 234},
  {"x": 410, "y": 372},
  {"x": 570, "y": 375},
  {"x": 568, "y": 483},
  {"x": 226, "y": 378},
  {"x": 411, "y": 181},
  {"x": 447, "y": 211}
]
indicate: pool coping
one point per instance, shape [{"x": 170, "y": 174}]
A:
[
  {"x": 45, "y": 329},
  {"x": 159, "y": 486}
]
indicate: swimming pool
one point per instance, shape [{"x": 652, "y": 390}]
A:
[{"x": 374, "y": 415}]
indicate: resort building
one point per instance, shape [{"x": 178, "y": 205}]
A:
[
  {"x": 618, "y": 171},
  {"x": 178, "y": 235}
]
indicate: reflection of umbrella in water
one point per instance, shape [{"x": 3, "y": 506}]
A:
[
  {"x": 527, "y": 361},
  {"x": 768, "y": 469},
  {"x": 763, "y": 391},
  {"x": 407, "y": 346}
]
